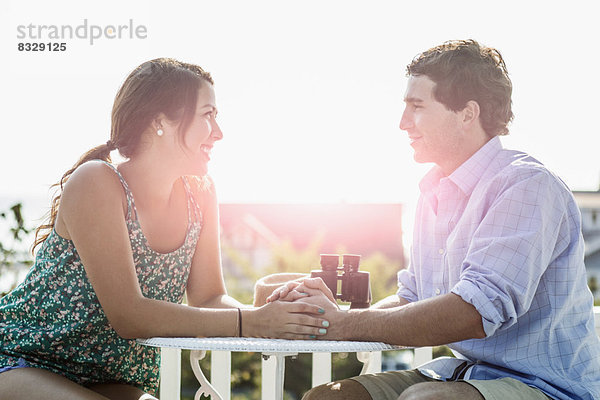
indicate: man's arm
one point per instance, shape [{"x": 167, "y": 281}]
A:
[
  {"x": 390, "y": 302},
  {"x": 435, "y": 321}
]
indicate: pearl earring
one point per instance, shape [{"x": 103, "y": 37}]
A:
[{"x": 159, "y": 132}]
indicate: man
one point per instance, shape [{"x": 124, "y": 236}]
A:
[{"x": 496, "y": 267}]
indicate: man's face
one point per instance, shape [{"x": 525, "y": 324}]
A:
[{"x": 435, "y": 132}]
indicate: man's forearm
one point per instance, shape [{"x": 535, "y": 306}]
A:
[
  {"x": 390, "y": 302},
  {"x": 440, "y": 320}
]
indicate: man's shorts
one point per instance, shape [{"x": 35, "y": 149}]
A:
[{"x": 389, "y": 385}]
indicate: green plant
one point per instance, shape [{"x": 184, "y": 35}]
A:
[
  {"x": 13, "y": 257},
  {"x": 593, "y": 284}
]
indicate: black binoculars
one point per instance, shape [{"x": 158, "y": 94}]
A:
[{"x": 355, "y": 286}]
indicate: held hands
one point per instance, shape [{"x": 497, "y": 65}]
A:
[
  {"x": 308, "y": 292},
  {"x": 285, "y": 320},
  {"x": 302, "y": 289},
  {"x": 287, "y": 292}
]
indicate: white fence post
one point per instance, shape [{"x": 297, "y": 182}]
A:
[
  {"x": 371, "y": 361},
  {"x": 422, "y": 355},
  {"x": 220, "y": 376},
  {"x": 268, "y": 372},
  {"x": 170, "y": 374},
  {"x": 321, "y": 368}
]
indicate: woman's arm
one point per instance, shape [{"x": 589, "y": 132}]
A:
[
  {"x": 206, "y": 286},
  {"x": 92, "y": 215}
]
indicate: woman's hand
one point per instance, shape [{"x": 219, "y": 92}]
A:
[
  {"x": 338, "y": 326},
  {"x": 284, "y": 320},
  {"x": 311, "y": 292}
]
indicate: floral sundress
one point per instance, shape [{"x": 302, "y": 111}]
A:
[{"x": 53, "y": 319}]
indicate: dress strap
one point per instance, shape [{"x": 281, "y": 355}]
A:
[
  {"x": 131, "y": 212},
  {"x": 193, "y": 206}
]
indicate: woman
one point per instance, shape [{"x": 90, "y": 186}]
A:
[{"x": 111, "y": 269}]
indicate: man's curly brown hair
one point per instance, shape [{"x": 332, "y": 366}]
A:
[{"x": 464, "y": 70}]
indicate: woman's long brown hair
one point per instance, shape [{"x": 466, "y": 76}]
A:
[{"x": 158, "y": 86}]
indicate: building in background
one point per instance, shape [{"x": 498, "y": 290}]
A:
[
  {"x": 589, "y": 205},
  {"x": 253, "y": 229}
]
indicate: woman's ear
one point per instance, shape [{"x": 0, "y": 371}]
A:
[{"x": 159, "y": 121}]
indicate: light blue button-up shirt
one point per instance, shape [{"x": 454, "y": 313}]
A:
[{"x": 504, "y": 234}]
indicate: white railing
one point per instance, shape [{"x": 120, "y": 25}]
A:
[
  {"x": 221, "y": 361},
  {"x": 170, "y": 368}
]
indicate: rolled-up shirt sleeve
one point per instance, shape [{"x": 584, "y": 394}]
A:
[
  {"x": 524, "y": 230},
  {"x": 407, "y": 285}
]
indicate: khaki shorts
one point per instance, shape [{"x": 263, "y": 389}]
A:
[{"x": 389, "y": 385}]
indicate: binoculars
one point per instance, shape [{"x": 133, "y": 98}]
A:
[{"x": 355, "y": 285}]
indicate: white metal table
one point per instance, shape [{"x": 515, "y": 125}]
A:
[{"x": 278, "y": 348}]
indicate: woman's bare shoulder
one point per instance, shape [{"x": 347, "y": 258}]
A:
[
  {"x": 203, "y": 189},
  {"x": 92, "y": 176},
  {"x": 93, "y": 184}
]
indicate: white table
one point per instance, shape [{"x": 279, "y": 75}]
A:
[{"x": 279, "y": 348}]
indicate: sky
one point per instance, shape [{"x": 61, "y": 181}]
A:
[{"x": 309, "y": 92}]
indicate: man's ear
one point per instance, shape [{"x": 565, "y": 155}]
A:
[{"x": 471, "y": 112}]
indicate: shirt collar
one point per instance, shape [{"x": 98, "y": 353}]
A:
[{"x": 466, "y": 176}]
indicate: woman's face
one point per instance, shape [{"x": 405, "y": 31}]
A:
[{"x": 203, "y": 131}]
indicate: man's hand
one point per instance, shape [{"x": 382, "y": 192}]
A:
[
  {"x": 300, "y": 289},
  {"x": 311, "y": 285},
  {"x": 317, "y": 292},
  {"x": 286, "y": 292}
]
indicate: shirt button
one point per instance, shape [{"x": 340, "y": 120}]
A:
[
  {"x": 441, "y": 251},
  {"x": 437, "y": 291}
]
